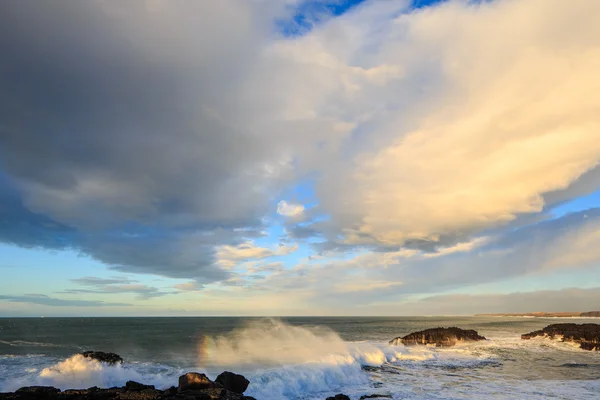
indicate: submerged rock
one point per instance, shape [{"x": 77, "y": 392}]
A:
[
  {"x": 108, "y": 358},
  {"x": 234, "y": 382},
  {"x": 587, "y": 335},
  {"x": 441, "y": 337}
]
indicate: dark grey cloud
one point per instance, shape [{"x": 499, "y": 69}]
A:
[
  {"x": 120, "y": 135},
  {"x": 44, "y": 300}
]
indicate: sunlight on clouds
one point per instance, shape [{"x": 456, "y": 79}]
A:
[
  {"x": 289, "y": 209},
  {"x": 230, "y": 256},
  {"x": 466, "y": 139}
]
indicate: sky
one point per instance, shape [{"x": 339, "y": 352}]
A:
[{"x": 290, "y": 157}]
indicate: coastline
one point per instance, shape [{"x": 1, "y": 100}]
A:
[{"x": 577, "y": 314}]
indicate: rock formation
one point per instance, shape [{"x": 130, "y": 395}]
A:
[
  {"x": 587, "y": 335},
  {"x": 234, "y": 382},
  {"x": 441, "y": 337},
  {"x": 192, "y": 386},
  {"x": 108, "y": 358},
  {"x": 339, "y": 396}
]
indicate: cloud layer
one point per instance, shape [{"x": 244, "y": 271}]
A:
[{"x": 165, "y": 138}]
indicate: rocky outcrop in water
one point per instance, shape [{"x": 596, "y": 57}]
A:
[
  {"x": 108, "y": 358},
  {"x": 587, "y": 335},
  {"x": 192, "y": 386},
  {"x": 339, "y": 396},
  {"x": 441, "y": 337}
]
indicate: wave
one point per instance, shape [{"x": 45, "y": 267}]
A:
[
  {"x": 23, "y": 343},
  {"x": 78, "y": 372}
]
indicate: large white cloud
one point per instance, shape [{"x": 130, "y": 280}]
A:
[{"x": 462, "y": 116}]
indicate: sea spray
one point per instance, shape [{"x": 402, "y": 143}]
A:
[{"x": 78, "y": 372}]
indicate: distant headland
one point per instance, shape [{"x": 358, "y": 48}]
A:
[{"x": 588, "y": 314}]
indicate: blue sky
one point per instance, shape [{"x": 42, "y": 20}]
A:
[{"x": 299, "y": 158}]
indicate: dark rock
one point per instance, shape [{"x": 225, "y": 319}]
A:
[
  {"x": 135, "y": 386},
  {"x": 195, "y": 381},
  {"x": 193, "y": 386},
  {"x": 146, "y": 394},
  {"x": 339, "y": 396},
  {"x": 587, "y": 335},
  {"x": 234, "y": 382},
  {"x": 108, "y": 358},
  {"x": 38, "y": 390},
  {"x": 590, "y": 314},
  {"x": 441, "y": 337},
  {"x": 376, "y": 396}
]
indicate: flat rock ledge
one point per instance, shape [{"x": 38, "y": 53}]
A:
[
  {"x": 192, "y": 386},
  {"x": 586, "y": 335},
  {"x": 440, "y": 337}
]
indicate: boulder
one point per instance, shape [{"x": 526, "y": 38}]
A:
[
  {"x": 339, "y": 396},
  {"x": 132, "y": 386},
  {"x": 587, "y": 335},
  {"x": 195, "y": 381},
  {"x": 108, "y": 358},
  {"x": 234, "y": 382},
  {"x": 441, "y": 337}
]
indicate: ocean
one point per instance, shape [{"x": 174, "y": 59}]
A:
[{"x": 302, "y": 358}]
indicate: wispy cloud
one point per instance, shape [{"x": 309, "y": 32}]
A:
[
  {"x": 44, "y": 300},
  {"x": 116, "y": 285}
]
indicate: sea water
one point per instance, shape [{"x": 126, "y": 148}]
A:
[{"x": 302, "y": 358}]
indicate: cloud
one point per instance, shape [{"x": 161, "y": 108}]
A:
[
  {"x": 156, "y": 138},
  {"x": 564, "y": 300},
  {"x": 95, "y": 281},
  {"x": 188, "y": 286},
  {"x": 289, "y": 209},
  {"x": 459, "y": 122},
  {"x": 44, "y": 300},
  {"x": 127, "y": 142},
  {"x": 334, "y": 280},
  {"x": 230, "y": 256},
  {"x": 116, "y": 285}
]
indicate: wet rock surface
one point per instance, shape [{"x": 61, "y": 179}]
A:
[
  {"x": 586, "y": 335},
  {"x": 441, "y": 337},
  {"x": 108, "y": 358}
]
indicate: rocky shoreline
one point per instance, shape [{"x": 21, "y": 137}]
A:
[
  {"x": 192, "y": 386},
  {"x": 586, "y": 335}
]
